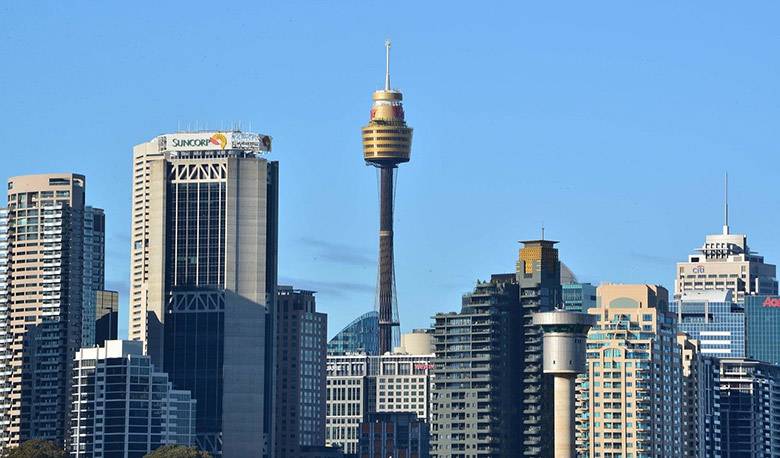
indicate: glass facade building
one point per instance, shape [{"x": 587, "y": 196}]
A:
[
  {"x": 203, "y": 279},
  {"x": 106, "y": 316},
  {"x": 123, "y": 407},
  {"x": 94, "y": 270},
  {"x": 578, "y": 297},
  {"x": 714, "y": 320},
  {"x": 739, "y": 403},
  {"x": 762, "y": 327},
  {"x": 359, "y": 336}
]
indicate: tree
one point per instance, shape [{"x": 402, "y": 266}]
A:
[
  {"x": 35, "y": 448},
  {"x": 177, "y": 451}
]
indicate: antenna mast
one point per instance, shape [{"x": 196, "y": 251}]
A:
[
  {"x": 387, "y": 64},
  {"x": 726, "y": 204}
]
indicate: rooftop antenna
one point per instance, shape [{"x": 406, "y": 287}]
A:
[
  {"x": 387, "y": 64},
  {"x": 542, "y": 230},
  {"x": 726, "y": 204}
]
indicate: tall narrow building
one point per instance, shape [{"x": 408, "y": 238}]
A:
[
  {"x": 387, "y": 142},
  {"x": 301, "y": 336},
  {"x": 203, "y": 279},
  {"x": 539, "y": 281},
  {"x": 47, "y": 276}
]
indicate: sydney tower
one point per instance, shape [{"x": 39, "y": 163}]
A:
[{"x": 387, "y": 142}]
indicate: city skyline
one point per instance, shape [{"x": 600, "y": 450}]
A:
[{"x": 612, "y": 194}]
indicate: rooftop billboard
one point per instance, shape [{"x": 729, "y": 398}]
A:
[{"x": 215, "y": 141}]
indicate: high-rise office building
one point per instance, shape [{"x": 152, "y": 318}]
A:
[
  {"x": 358, "y": 385},
  {"x": 123, "y": 407},
  {"x": 387, "y": 142},
  {"x": 47, "y": 277},
  {"x": 106, "y": 316},
  {"x": 762, "y": 322},
  {"x": 633, "y": 391},
  {"x": 203, "y": 279},
  {"x": 725, "y": 262},
  {"x": 393, "y": 434},
  {"x": 539, "y": 281},
  {"x": 359, "y": 336},
  {"x": 712, "y": 318},
  {"x": 742, "y": 398},
  {"x": 578, "y": 297},
  {"x": 301, "y": 335},
  {"x": 478, "y": 374}
]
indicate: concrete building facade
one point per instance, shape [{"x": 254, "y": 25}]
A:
[
  {"x": 301, "y": 337},
  {"x": 539, "y": 280},
  {"x": 359, "y": 385},
  {"x": 632, "y": 395},
  {"x": 725, "y": 262},
  {"x": 124, "y": 407},
  {"x": 203, "y": 279},
  {"x": 47, "y": 276},
  {"x": 478, "y": 369},
  {"x": 565, "y": 334},
  {"x": 393, "y": 435}
]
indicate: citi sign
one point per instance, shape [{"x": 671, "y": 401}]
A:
[
  {"x": 698, "y": 270},
  {"x": 771, "y": 302}
]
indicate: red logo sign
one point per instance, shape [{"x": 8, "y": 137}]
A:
[
  {"x": 425, "y": 366},
  {"x": 771, "y": 302}
]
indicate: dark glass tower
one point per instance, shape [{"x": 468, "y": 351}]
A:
[
  {"x": 301, "y": 334},
  {"x": 387, "y": 142},
  {"x": 208, "y": 243}
]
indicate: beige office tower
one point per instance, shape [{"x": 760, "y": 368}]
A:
[
  {"x": 630, "y": 401},
  {"x": 42, "y": 287},
  {"x": 725, "y": 262},
  {"x": 203, "y": 278}
]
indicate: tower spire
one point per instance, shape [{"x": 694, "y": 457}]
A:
[
  {"x": 387, "y": 64},
  {"x": 726, "y": 204}
]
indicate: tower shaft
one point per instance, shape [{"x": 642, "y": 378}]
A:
[
  {"x": 387, "y": 142},
  {"x": 386, "y": 263}
]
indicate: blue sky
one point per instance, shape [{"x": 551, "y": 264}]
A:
[{"x": 611, "y": 123}]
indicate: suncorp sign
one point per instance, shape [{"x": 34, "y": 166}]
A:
[{"x": 207, "y": 141}]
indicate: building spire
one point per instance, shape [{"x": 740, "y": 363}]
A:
[
  {"x": 726, "y": 204},
  {"x": 387, "y": 65}
]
